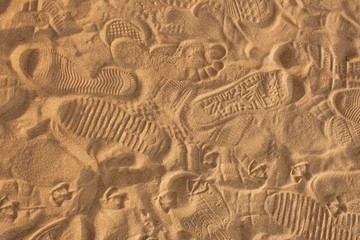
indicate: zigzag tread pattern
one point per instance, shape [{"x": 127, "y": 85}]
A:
[
  {"x": 347, "y": 103},
  {"x": 304, "y": 217},
  {"x": 98, "y": 119},
  {"x": 109, "y": 81}
]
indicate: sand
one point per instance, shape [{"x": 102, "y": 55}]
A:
[{"x": 179, "y": 119}]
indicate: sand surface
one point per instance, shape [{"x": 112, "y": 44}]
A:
[{"x": 179, "y": 119}]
